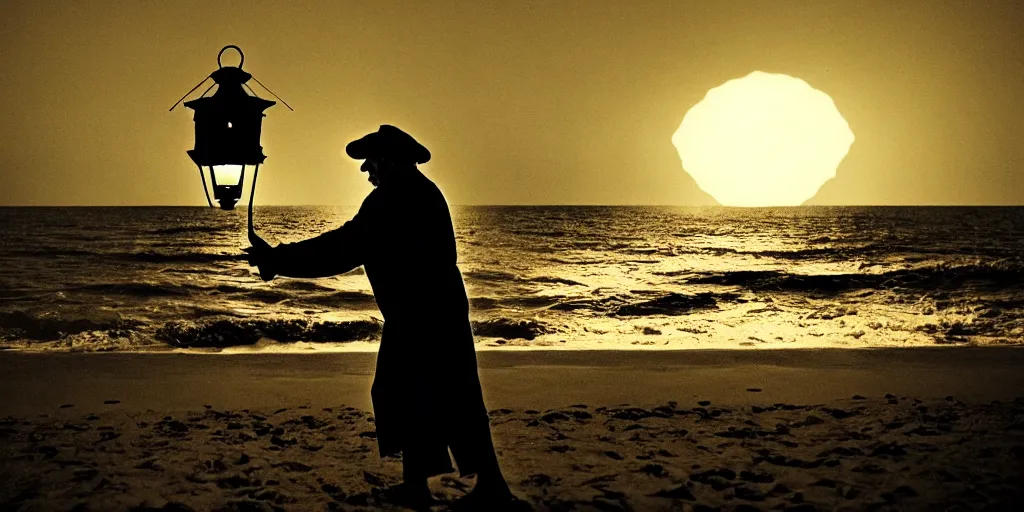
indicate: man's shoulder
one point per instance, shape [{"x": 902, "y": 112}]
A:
[
  {"x": 430, "y": 187},
  {"x": 418, "y": 191},
  {"x": 372, "y": 201}
]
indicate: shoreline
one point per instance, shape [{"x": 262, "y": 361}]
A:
[{"x": 519, "y": 379}]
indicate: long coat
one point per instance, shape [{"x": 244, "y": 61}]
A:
[{"x": 426, "y": 391}]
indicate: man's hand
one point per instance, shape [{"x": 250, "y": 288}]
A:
[{"x": 261, "y": 255}]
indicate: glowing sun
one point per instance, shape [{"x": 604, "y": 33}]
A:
[{"x": 763, "y": 140}]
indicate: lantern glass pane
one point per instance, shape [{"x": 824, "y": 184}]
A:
[{"x": 227, "y": 175}]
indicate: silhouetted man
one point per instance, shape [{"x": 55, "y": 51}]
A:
[{"x": 426, "y": 390}]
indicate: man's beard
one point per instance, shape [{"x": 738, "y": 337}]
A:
[{"x": 374, "y": 180}]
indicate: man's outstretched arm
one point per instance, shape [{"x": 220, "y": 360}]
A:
[{"x": 331, "y": 253}]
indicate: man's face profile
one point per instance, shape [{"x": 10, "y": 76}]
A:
[{"x": 372, "y": 167}]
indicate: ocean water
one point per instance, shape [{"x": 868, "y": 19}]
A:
[{"x": 130, "y": 279}]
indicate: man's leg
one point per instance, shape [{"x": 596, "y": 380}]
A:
[
  {"x": 473, "y": 449},
  {"x": 470, "y": 429},
  {"x": 414, "y": 491},
  {"x": 414, "y": 484}
]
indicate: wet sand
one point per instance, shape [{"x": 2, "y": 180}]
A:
[{"x": 899, "y": 429}]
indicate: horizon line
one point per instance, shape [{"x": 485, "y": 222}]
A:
[{"x": 539, "y": 205}]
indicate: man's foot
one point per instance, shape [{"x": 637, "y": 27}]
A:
[
  {"x": 497, "y": 499},
  {"x": 415, "y": 496}
]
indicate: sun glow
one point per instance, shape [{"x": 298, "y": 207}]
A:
[{"x": 763, "y": 140}]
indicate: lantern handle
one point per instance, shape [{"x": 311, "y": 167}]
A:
[
  {"x": 252, "y": 194},
  {"x": 237, "y": 49}
]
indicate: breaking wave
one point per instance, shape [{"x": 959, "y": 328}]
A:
[
  {"x": 674, "y": 304},
  {"x": 231, "y": 332},
  {"x": 136, "y": 289},
  {"x": 48, "y": 327},
  {"x": 504, "y": 277},
  {"x": 671, "y": 304},
  {"x": 223, "y": 333},
  {"x": 510, "y": 328},
  {"x": 997, "y": 274}
]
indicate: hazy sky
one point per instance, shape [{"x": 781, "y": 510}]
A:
[{"x": 556, "y": 102}]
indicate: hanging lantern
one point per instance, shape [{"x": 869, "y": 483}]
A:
[{"x": 227, "y": 128}]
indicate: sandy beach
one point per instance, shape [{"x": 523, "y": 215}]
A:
[{"x": 911, "y": 429}]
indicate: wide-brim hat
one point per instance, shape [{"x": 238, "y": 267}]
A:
[{"x": 388, "y": 142}]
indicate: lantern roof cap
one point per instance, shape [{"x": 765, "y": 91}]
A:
[
  {"x": 230, "y": 76},
  {"x": 230, "y": 80}
]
